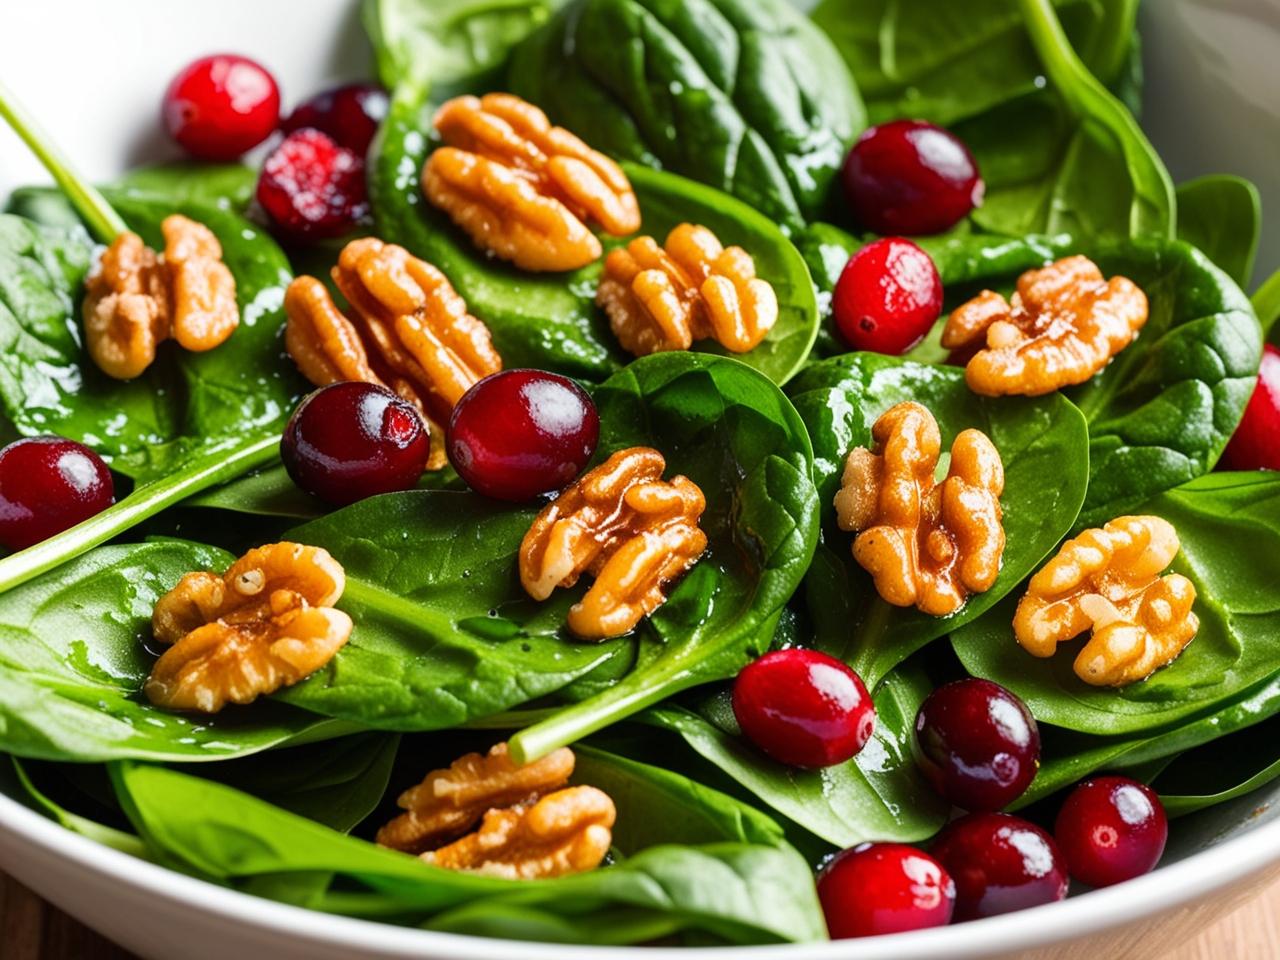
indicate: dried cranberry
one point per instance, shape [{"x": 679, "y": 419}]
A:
[
  {"x": 803, "y": 708},
  {"x": 1111, "y": 829},
  {"x": 888, "y": 296},
  {"x": 349, "y": 114},
  {"x": 218, "y": 107},
  {"x": 977, "y": 744},
  {"x": 48, "y": 484},
  {"x": 877, "y": 888},
  {"x": 311, "y": 187},
  {"x": 1000, "y": 863},
  {"x": 521, "y": 433},
  {"x": 351, "y": 440},
  {"x": 1256, "y": 442},
  {"x": 910, "y": 177}
]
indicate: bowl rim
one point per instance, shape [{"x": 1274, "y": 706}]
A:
[{"x": 1164, "y": 889}]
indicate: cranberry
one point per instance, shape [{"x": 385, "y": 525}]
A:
[
  {"x": 521, "y": 433},
  {"x": 48, "y": 484},
  {"x": 311, "y": 187},
  {"x": 910, "y": 177},
  {"x": 1256, "y": 443},
  {"x": 1000, "y": 863},
  {"x": 1111, "y": 829},
  {"x": 803, "y": 708},
  {"x": 879, "y": 888},
  {"x": 888, "y": 296},
  {"x": 349, "y": 114},
  {"x": 218, "y": 107},
  {"x": 350, "y": 440},
  {"x": 977, "y": 744}
]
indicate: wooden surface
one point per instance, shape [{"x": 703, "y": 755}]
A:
[{"x": 32, "y": 930}]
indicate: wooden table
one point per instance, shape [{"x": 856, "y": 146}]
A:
[{"x": 30, "y": 929}]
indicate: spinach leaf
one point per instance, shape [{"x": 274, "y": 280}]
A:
[
  {"x": 1229, "y": 525},
  {"x": 1220, "y": 771},
  {"x": 839, "y": 400},
  {"x": 1222, "y": 216},
  {"x": 1266, "y": 303},
  {"x": 745, "y": 95},
  {"x": 107, "y": 836}
]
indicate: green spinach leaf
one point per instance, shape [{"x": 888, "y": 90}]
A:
[
  {"x": 1222, "y": 216},
  {"x": 1266, "y": 303},
  {"x": 108, "y": 836},
  {"x": 1220, "y": 771}
]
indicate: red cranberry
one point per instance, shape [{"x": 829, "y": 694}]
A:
[
  {"x": 910, "y": 177},
  {"x": 48, "y": 484},
  {"x": 349, "y": 114},
  {"x": 1111, "y": 829},
  {"x": 350, "y": 440},
  {"x": 521, "y": 433},
  {"x": 803, "y": 708},
  {"x": 888, "y": 296},
  {"x": 1256, "y": 443},
  {"x": 1000, "y": 864},
  {"x": 218, "y": 107},
  {"x": 877, "y": 888},
  {"x": 311, "y": 187},
  {"x": 977, "y": 744}
]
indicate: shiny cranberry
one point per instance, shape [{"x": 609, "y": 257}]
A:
[
  {"x": 1256, "y": 442},
  {"x": 311, "y": 187},
  {"x": 877, "y": 888},
  {"x": 350, "y": 440},
  {"x": 521, "y": 433},
  {"x": 349, "y": 114},
  {"x": 888, "y": 296},
  {"x": 1111, "y": 829},
  {"x": 1000, "y": 863},
  {"x": 977, "y": 744},
  {"x": 48, "y": 484},
  {"x": 803, "y": 708},
  {"x": 218, "y": 107},
  {"x": 910, "y": 177}
]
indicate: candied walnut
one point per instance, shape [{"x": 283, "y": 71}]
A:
[
  {"x": 266, "y": 623},
  {"x": 407, "y": 328},
  {"x": 1063, "y": 325},
  {"x": 1108, "y": 580},
  {"x": 692, "y": 288},
  {"x": 523, "y": 189},
  {"x": 627, "y": 527},
  {"x": 925, "y": 543},
  {"x": 135, "y": 299}
]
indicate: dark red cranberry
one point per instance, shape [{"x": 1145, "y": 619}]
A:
[
  {"x": 1000, "y": 863},
  {"x": 349, "y": 114},
  {"x": 877, "y": 888},
  {"x": 888, "y": 296},
  {"x": 311, "y": 187},
  {"x": 1256, "y": 442},
  {"x": 977, "y": 744},
  {"x": 350, "y": 440},
  {"x": 48, "y": 484},
  {"x": 1111, "y": 829},
  {"x": 910, "y": 177},
  {"x": 803, "y": 708},
  {"x": 218, "y": 107},
  {"x": 521, "y": 433}
]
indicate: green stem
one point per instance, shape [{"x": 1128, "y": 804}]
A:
[
  {"x": 145, "y": 501},
  {"x": 89, "y": 203}
]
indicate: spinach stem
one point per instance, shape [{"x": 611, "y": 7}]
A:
[
  {"x": 93, "y": 208},
  {"x": 146, "y": 501}
]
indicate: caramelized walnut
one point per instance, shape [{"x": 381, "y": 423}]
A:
[
  {"x": 266, "y": 623},
  {"x": 925, "y": 543},
  {"x": 1108, "y": 580},
  {"x": 523, "y": 189},
  {"x": 692, "y": 288},
  {"x": 1063, "y": 325},
  {"x": 627, "y": 527},
  {"x": 204, "y": 306}
]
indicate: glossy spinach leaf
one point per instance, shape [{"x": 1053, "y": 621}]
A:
[
  {"x": 1229, "y": 526},
  {"x": 228, "y": 186},
  {"x": 839, "y": 400},
  {"x": 101, "y": 833},
  {"x": 745, "y": 95},
  {"x": 1266, "y": 303},
  {"x": 1220, "y": 771},
  {"x": 1221, "y": 215}
]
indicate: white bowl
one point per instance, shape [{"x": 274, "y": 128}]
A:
[{"x": 93, "y": 73}]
